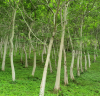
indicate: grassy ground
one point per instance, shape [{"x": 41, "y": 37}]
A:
[{"x": 88, "y": 84}]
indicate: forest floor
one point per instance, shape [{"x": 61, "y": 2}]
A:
[{"x": 88, "y": 84}]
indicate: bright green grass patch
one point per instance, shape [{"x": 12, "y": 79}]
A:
[{"x": 88, "y": 84}]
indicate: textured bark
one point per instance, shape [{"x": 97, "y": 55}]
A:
[{"x": 11, "y": 53}]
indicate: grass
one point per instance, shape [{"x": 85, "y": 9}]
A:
[{"x": 88, "y": 84}]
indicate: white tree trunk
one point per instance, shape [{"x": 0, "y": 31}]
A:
[
  {"x": 34, "y": 67},
  {"x": 4, "y": 55},
  {"x": 89, "y": 59},
  {"x": 81, "y": 46},
  {"x": 11, "y": 41},
  {"x": 1, "y": 49},
  {"x": 57, "y": 82},
  {"x": 42, "y": 86},
  {"x": 42, "y": 58},
  {"x": 81, "y": 61},
  {"x": 85, "y": 62},
  {"x": 72, "y": 64},
  {"x": 29, "y": 50},
  {"x": 26, "y": 62},
  {"x": 65, "y": 68},
  {"x": 78, "y": 70}
]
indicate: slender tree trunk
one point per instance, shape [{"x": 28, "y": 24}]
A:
[
  {"x": 26, "y": 62},
  {"x": 85, "y": 62},
  {"x": 4, "y": 55},
  {"x": 72, "y": 64},
  {"x": 95, "y": 48},
  {"x": 21, "y": 55},
  {"x": 78, "y": 70},
  {"x": 81, "y": 47},
  {"x": 34, "y": 66},
  {"x": 42, "y": 58},
  {"x": 11, "y": 53},
  {"x": 29, "y": 50},
  {"x": 42, "y": 86},
  {"x": 65, "y": 68},
  {"x": 1, "y": 49},
  {"x": 57, "y": 83},
  {"x": 89, "y": 59}
]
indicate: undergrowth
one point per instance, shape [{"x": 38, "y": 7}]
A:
[{"x": 88, "y": 84}]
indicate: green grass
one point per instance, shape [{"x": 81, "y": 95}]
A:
[{"x": 88, "y": 84}]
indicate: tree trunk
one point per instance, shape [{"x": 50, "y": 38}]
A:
[
  {"x": 42, "y": 86},
  {"x": 78, "y": 70},
  {"x": 11, "y": 53},
  {"x": 81, "y": 47},
  {"x": 1, "y": 49},
  {"x": 72, "y": 64},
  {"x": 26, "y": 62},
  {"x": 57, "y": 82},
  {"x": 89, "y": 59},
  {"x": 34, "y": 66},
  {"x": 85, "y": 62},
  {"x": 65, "y": 68},
  {"x": 4, "y": 55},
  {"x": 29, "y": 50}
]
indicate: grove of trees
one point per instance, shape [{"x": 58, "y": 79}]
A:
[{"x": 55, "y": 26}]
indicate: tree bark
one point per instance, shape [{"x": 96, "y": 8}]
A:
[
  {"x": 26, "y": 62},
  {"x": 11, "y": 53},
  {"x": 89, "y": 59},
  {"x": 65, "y": 68},
  {"x": 72, "y": 64},
  {"x": 57, "y": 82},
  {"x": 81, "y": 46},
  {"x": 42, "y": 86},
  {"x": 85, "y": 62},
  {"x": 34, "y": 65}
]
